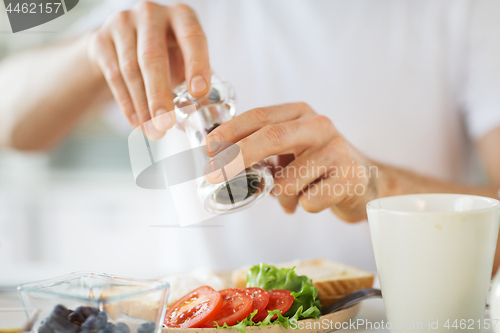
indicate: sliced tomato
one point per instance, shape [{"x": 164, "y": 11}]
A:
[
  {"x": 260, "y": 299},
  {"x": 236, "y": 306},
  {"x": 194, "y": 309},
  {"x": 278, "y": 300}
]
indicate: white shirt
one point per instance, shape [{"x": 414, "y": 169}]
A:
[{"x": 409, "y": 83}]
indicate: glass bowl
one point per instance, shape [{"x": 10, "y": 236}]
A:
[{"x": 85, "y": 302}]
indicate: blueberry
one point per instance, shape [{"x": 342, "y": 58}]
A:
[
  {"x": 148, "y": 327},
  {"x": 45, "y": 327},
  {"x": 58, "y": 321},
  {"x": 102, "y": 318},
  {"x": 122, "y": 328},
  {"x": 94, "y": 322},
  {"x": 64, "y": 327},
  {"x": 61, "y": 325},
  {"x": 108, "y": 328},
  {"x": 76, "y": 318},
  {"x": 89, "y": 323},
  {"x": 86, "y": 311},
  {"x": 59, "y": 311}
]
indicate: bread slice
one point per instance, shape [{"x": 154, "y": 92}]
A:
[{"x": 333, "y": 280}]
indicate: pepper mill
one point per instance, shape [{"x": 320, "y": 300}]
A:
[{"x": 198, "y": 117}]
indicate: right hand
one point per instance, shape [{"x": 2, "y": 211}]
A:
[{"x": 146, "y": 51}]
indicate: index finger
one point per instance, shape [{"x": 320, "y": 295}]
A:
[
  {"x": 194, "y": 47},
  {"x": 251, "y": 121},
  {"x": 154, "y": 64}
]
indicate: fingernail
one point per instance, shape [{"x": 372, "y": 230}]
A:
[
  {"x": 213, "y": 169},
  {"x": 133, "y": 120},
  {"x": 211, "y": 144},
  {"x": 163, "y": 119},
  {"x": 198, "y": 84},
  {"x": 152, "y": 132}
]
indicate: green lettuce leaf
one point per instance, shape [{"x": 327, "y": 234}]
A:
[
  {"x": 242, "y": 325},
  {"x": 305, "y": 296},
  {"x": 285, "y": 322},
  {"x": 269, "y": 277}
]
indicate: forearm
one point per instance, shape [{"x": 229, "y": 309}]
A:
[
  {"x": 45, "y": 92},
  {"x": 395, "y": 181}
]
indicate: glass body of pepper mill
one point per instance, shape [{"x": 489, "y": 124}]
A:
[{"x": 198, "y": 117}]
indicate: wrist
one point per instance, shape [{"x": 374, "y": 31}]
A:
[
  {"x": 353, "y": 208},
  {"x": 384, "y": 181},
  {"x": 91, "y": 64},
  {"x": 393, "y": 181}
]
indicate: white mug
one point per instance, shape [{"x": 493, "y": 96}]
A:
[
  {"x": 495, "y": 302},
  {"x": 434, "y": 256}
]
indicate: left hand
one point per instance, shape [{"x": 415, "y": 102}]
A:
[{"x": 314, "y": 167}]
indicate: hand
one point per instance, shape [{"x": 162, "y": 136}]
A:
[
  {"x": 146, "y": 51},
  {"x": 314, "y": 167}
]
